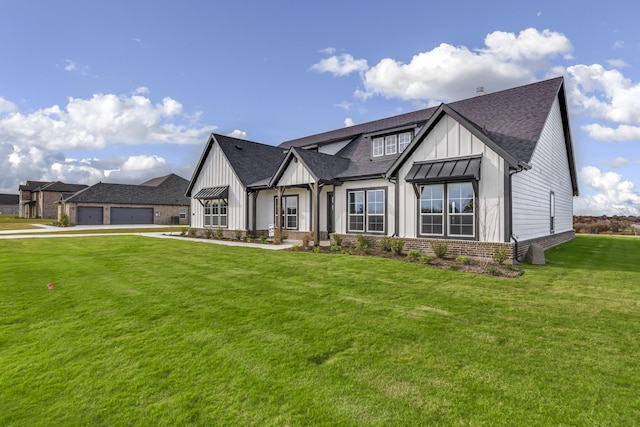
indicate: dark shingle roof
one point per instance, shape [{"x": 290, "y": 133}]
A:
[
  {"x": 513, "y": 119},
  {"x": 252, "y": 161},
  {"x": 169, "y": 192},
  {"x": 61, "y": 187},
  {"x": 9, "y": 199},
  {"x": 324, "y": 166}
]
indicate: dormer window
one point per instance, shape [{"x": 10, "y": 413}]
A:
[
  {"x": 390, "y": 145},
  {"x": 378, "y": 147}
]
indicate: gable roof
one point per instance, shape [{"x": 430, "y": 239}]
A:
[
  {"x": 252, "y": 162},
  {"x": 169, "y": 192},
  {"x": 61, "y": 187},
  {"x": 322, "y": 167}
]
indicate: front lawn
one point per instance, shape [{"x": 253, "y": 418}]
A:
[
  {"x": 13, "y": 222},
  {"x": 150, "y": 331}
]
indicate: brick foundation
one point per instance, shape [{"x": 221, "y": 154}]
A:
[{"x": 546, "y": 242}]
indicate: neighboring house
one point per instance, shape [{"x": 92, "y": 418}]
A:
[
  {"x": 39, "y": 199},
  {"x": 492, "y": 171},
  {"x": 9, "y": 204},
  {"x": 157, "y": 201}
]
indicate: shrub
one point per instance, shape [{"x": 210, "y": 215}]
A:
[
  {"x": 238, "y": 234},
  {"x": 64, "y": 220},
  {"x": 464, "y": 260},
  {"x": 219, "y": 233},
  {"x": 413, "y": 254},
  {"x": 336, "y": 238},
  {"x": 295, "y": 247},
  {"x": 362, "y": 243},
  {"x": 500, "y": 255},
  {"x": 264, "y": 238},
  {"x": 385, "y": 243},
  {"x": 397, "y": 245},
  {"x": 192, "y": 232},
  {"x": 208, "y": 233},
  {"x": 425, "y": 259},
  {"x": 317, "y": 249},
  {"x": 492, "y": 271},
  {"x": 334, "y": 245},
  {"x": 346, "y": 251},
  {"x": 183, "y": 231},
  {"x": 440, "y": 249}
]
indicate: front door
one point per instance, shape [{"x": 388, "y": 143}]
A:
[{"x": 330, "y": 212}]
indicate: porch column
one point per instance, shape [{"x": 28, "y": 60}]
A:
[
  {"x": 315, "y": 191},
  {"x": 279, "y": 219}
]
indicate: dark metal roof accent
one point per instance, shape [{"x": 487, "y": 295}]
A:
[
  {"x": 211, "y": 193},
  {"x": 445, "y": 170}
]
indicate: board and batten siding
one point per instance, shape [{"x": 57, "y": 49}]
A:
[
  {"x": 217, "y": 171},
  {"x": 341, "y": 208},
  {"x": 265, "y": 208},
  {"x": 449, "y": 139},
  {"x": 295, "y": 174},
  {"x": 549, "y": 173}
]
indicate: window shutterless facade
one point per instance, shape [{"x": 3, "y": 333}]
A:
[
  {"x": 183, "y": 213},
  {"x": 366, "y": 211},
  {"x": 390, "y": 145},
  {"x": 377, "y": 147},
  {"x": 289, "y": 219},
  {"x": 459, "y": 218},
  {"x": 215, "y": 213}
]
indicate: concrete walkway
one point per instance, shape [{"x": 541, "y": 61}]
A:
[{"x": 48, "y": 231}]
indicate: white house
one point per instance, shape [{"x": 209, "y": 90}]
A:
[{"x": 496, "y": 170}]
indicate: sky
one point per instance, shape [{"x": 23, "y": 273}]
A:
[{"x": 125, "y": 91}]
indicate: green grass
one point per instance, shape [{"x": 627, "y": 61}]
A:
[
  {"x": 142, "y": 331},
  {"x": 12, "y": 222}
]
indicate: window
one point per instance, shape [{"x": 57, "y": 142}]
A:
[
  {"x": 215, "y": 213},
  {"x": 552, "y": 212},
  {"x": 404, "y": 139},
  {"x": 390, "y": 144},
  {"x": 289, "y": 218},
  {"x": 183, "y": 213},
  {"x": 371, "y": 219},
  {"x": 460, "y": 210},
  {"x": 431, "y": 210},
  {"x": 378, "y": 147}
]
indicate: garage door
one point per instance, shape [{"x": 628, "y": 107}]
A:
[
  {"x": 131, "y": 215},
  {"x": 89, "y": 215}
]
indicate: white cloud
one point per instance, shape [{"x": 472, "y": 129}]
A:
[
  {"x": 101, "y": 120},
  {"x": 448, "y": 72},
  {"x": 618, "y": 44},
  {"x": 32, "y": 145},
  {"x": 617, "y": 63},
  {"x": 328, "y": 51},
  {"x": 348, "y": 122},
  {"x": 606, "y": 95},
  {"x": 613, "y": 194},
  {"x": 240, "y": 134},
  {"x": 340, "y": 65},
  {"x": 618, "y": 162},
  {"x": 7, "y": 106},
  {"x": 73, "y": 66}
]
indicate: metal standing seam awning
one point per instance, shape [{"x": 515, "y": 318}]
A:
[
  {"x": 212, "y": 193},
  {"x": 462, "y": 169}
]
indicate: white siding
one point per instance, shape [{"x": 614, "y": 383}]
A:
[
  {"x": 449, "y": 139},
  {"x": 531, "y": 189},
  {"x": 333, "y": 148},
  {"x": 341, "y": 219},
  {"x": 295, "y": 174},
  {"x": 217, "y": 171}
]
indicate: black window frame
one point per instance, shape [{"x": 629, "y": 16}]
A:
[
  {"x": 369, "y": 219},
  {"x": 446, "y": 213},
  {"x": 210, "y": 205},
  {"x": 285, "y": 216}
]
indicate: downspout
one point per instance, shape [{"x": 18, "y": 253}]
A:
[{"x": 522, "y": 166}]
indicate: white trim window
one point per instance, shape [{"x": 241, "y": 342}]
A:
[
  {"x": 404, "y": 139},
  {"x": 461, "y": 211},
  {"x": 552, "y": 212},
  {"x": 289, "y": 212},
  {"x": 366, "y": 211},
  {"x": 432, "y": 210},
  {"x": 215, "y": 213},
  {"x": 183, "y": 213},
  {"x": 390, "y": 144},
  {"x": 378, "y": 147}
]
